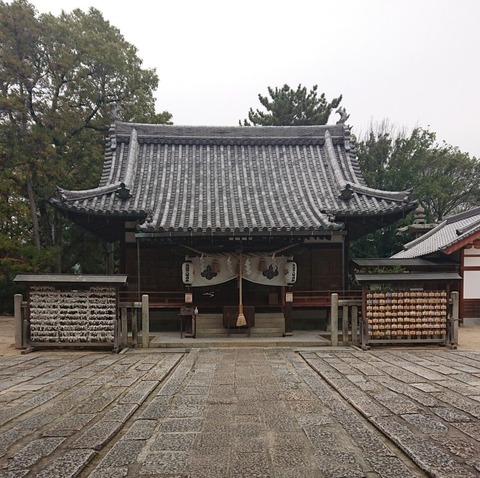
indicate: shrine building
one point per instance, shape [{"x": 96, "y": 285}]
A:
[{"x": 194, "y": 209}]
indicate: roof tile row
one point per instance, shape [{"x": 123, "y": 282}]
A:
[{"x": 244, "y": 178}]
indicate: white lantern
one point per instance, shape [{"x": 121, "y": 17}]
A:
[
  {"x": 187, "y": 273},
  {"x": 291, "y": 272}
]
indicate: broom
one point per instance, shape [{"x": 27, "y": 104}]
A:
[{"x": 241, "y": 321}]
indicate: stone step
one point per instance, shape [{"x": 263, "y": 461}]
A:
[{"x": 267, "y": 324}]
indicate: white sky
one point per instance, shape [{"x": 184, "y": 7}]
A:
[{"x": 413, "y": 62}]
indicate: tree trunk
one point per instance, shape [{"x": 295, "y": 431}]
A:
[
  {"x": 33, "y": 212},
  {"x": 57, "y": 240}
]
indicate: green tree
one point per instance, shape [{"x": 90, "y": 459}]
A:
[
  {"x": 60, "y": 78},
  {"x": 444, "y": 179},
  {"x": 288, "y": 107}
]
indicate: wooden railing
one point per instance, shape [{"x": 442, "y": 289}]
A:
[
  {"x": 322, "y": 298},
  {"x": 176, "y": 299},
  {"x": 350, "y": 307},
  {"x": 157, "y": 299},
  {"x": 135, "y": 318}
]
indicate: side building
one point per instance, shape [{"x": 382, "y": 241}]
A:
[
  {"x": 456, "y": 239},
  {"x": 189, "y": 204}
]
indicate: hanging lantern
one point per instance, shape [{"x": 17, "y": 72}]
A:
[
  {"x": 291, "y": 272},
  {"x": 187, "y": 273}
]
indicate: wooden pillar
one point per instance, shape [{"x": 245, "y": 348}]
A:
[
  {"x": 124, "y": 326},
  {"x": 334, "y": 320},
  {"x": 134, "y": 320},
  {"x": 116, "y": 334},
  {"x": 345, "y": 324},
  {"x": 19, "y": 324},
  {"x": 145, "y": 322},
  {"x": 354, "y": 323},
  {"x": 454, "y": 319},
  {"x": 288, "y": 319}
]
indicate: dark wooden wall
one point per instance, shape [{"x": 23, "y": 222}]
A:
[{"x": 319, "y": 268}]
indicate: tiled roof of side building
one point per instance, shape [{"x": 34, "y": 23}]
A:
[
  {"x": 449, "y": 232},
  {"x": 198, "y": 178}
]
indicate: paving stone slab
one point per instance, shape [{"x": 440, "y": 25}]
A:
[
  {"x": 451, "y": 415},
  {"x": 252, "y": 445},
  {"x": 126, "y": 380},
  {"x": 475, "y": 464},
  {"x": 425, "y": 423},
  {"x": 304, "y": 407},
  {"x": 367, "y": 439},
  {"x": 396, "y": 403},
  {"x": 181, "y": 425},
  {"x": 322, "y": 439},
  {"x": 173, "y": 442},
  {"x": 157, "y": 408},
  {"x": 209, "y": 442},
  {"x": 56, "y": 375},
  {"x": 471, "y": 429},
  {"x": 121, "y": 472},
  {"x": 457, "y": 445},
  {"x": 185, "y": 411},
  {"x": 390, "y": 467},
  {"x": 14, "y": 474},
  {"x": 251, "y": 465},
  {"x": 363, "y": 402},
  {"x": 97, "y": 435},
  {"x": 314, "y": 419},
  {"x": 139, "y": 392},
  {"x": 33, "y": 452},
  {"x": 206, "y": 470},
  {"x": 192, "y": 400},
  {"x": 123, "y": 453},
  {"x": 99, "y": 403},
  {"x": 248, "y": 430},
  {"x": 298, "y": 472},
  {"x": 426, "y": 387},
  {"x": 461, "y": 403},
  {"x": 69, "y": 425},
  {"x": 423, "y": 398},
  {"x": 141, "y": 430},
  {"x": 8, "y": 438},
  {"x": 120, "y": 413},
  {"x": 69, "y": 465},
  {"x": 430, "y": 457},
  {"x": 168, "y": 463},
  {"x": 339, "y": 464}
]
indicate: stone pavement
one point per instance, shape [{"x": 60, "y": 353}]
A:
[{"x": 241, "y": 412}]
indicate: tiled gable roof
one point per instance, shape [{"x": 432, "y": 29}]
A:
[
  {"x": 449, "y": 232},
  {"x": 224, "y": 179}
]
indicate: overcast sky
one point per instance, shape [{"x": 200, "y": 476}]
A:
[{"x": 413, "y": 62}]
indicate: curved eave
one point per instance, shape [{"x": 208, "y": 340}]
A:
[
  {"x": 65, "y": 195},
  {"x": 122, "y": 213},
  {"x": 107, "y": 225},
  {"x": 365, "y": 222},
  {"x": 146, "y": 230}
]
